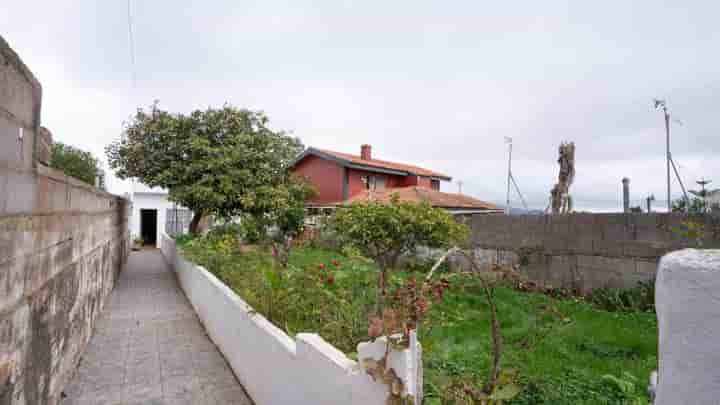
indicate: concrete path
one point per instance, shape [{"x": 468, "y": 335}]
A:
[{"x": 150, "y": 348}]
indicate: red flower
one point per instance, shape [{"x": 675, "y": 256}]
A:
[
  {"x": 336, "y": 263},
  {"x": 330, "y": 279},
  {"x": 375, "y": 328},
  {"x": 321, "y": 266}
]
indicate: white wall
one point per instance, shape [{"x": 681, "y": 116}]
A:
[
  {"x": 687, "y": 303},
  {"x": 157, "y": 202},
  {"x": 276, "y": 369}
]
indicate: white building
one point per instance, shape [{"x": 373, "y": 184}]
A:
[{"x": 152, "y": 213}]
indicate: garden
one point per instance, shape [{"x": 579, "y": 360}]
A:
[{"x": 556, "y": 348}]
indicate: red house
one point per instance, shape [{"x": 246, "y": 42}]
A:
[{"x": 341, "y": 178}]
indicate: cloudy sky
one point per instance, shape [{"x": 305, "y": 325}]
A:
[{"x": 434, "y": 83}]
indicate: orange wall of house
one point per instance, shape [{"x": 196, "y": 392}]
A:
[{"x": 325, "y": 175}]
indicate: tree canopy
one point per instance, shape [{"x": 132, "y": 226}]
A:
[
  {"x": 384, "y": 232},
  {"x": 223, "y": 161},
  {"x": 74, "y": 162}
]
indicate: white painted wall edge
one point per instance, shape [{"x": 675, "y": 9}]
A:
[{"x": 276, "y": 369}]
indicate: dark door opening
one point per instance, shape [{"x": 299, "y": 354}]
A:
[{"x": 148, "y": 227}]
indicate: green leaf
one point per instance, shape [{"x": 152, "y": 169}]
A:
[{"x": 505, "y": 392}]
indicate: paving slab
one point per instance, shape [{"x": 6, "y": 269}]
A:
[{"x": 150, "y": 348}]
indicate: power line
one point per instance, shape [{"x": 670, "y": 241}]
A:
[{"x": 132, "y": 44}]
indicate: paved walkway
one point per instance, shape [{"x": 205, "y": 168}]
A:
[{"x": 150, "y": 348}]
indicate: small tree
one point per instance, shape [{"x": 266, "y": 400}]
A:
[
  {"x": 697, "y": 206},
  {"x": 225, "y": 161},
  {"x": 74, "y": 162},
  {"x": 385, "y": 232},
  {"x": 287, "y": 213}
]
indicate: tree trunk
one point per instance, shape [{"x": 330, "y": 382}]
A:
[{"x": 195, "y": 223}]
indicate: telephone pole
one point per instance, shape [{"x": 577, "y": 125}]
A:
[{"x": 663, "y": 104}]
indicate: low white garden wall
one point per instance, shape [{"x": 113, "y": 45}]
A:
[
  {"x": 276, "y": 369},
  {"x": 687, "y": 302}
]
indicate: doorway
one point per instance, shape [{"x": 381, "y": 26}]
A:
[{"x": 148, "y": 226}]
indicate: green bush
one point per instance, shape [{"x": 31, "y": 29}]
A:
[
  {"x": 640, "y": 298},
  {"x": 252, "y": 230},
  {"x": 232, "y": 229}
]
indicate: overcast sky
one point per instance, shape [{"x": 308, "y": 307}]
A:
[{"x": 437, "y": 84}]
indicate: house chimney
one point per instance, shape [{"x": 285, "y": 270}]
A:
[{"x": 366, "y": 152}]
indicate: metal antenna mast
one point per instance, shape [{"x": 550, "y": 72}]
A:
[
  {"x": 662, "y": 104},
  {"x": 508, "y": 140},
  {"x": 511, "y": 180},
  {"x": 668, "y": 157}
]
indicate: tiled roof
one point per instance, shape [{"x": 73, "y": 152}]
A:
[
  {"x": 422, "y": 194},
  {"x": 381, "y": 164}
]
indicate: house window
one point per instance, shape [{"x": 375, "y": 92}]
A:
[
  {"x": 177, "y": 221},
  {"x": 435, "y": 184},
  {"x": 374, "y": 182}
]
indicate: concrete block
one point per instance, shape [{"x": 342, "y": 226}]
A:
[
  {"x": 611, "y": 248},
  {"x": 562, "y": 271},
  {"x": 559, "y": 226},
  {"x": 22, "y": 192},
  {"x": 581, "y": 245},
  {"x": 12, "y": 282},
  {"x": 647, "y": 228},
  {"x": 645, "y": 249},
  {"x": 52, "y": 195},
  {"x": 688, "y": 310},
  {"x": 14, "y": 342}
]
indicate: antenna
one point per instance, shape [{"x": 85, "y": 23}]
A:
[
  {"x": 511, "y": 179},
  {"x": 508, "y": 140},
  {"x": 668, "y": 157}
]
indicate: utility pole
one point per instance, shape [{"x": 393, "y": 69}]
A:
[
  {"x": 663, "y": 104},
  {"x": 460, "y": 184},
  {"x": 649, "y": 199},
  {"x": 508, "y": 140}
]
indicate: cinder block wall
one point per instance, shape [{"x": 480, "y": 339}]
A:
[
  {"x": 586, "y": 251},
  {"x": 62, "y": 245}
]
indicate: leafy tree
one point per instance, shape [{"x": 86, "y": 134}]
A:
[
  {"x": 385, "y": 232},
  {"x": 74, "y": 162},
  {"x": 225, "y": 161},
  {"x": 697, "y": 206}
]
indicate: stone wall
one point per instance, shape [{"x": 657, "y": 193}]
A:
[
  {"x": 62, "y": 245},
  {"x": 586, "y": 251}
]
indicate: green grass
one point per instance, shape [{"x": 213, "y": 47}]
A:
[{"x": 560, "y": 349}]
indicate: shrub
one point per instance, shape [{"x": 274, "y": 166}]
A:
[
  {"x": 640, "y": 298},
  {"x": 385, "y": 232}
]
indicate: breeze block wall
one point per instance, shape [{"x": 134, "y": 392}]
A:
[
  {"x": 62, "y": 245},
  {"x": 586, "y": 251}
]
